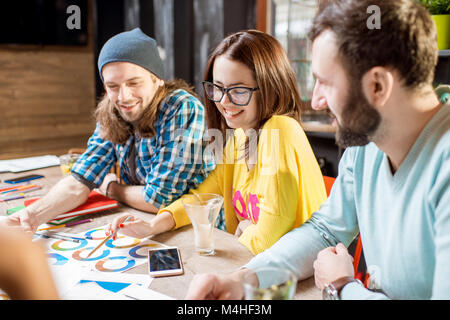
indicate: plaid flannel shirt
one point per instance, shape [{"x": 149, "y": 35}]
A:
[{"x": 167, "y": 165}]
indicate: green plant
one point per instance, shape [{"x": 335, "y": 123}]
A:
[{"x": 436, "y": 6}]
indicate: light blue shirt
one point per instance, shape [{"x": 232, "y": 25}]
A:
[{"x": 404, "y": 220}]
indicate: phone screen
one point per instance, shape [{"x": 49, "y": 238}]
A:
[
  {"x": 164, "y": 259},
  {"x": 24, "y": 178}
]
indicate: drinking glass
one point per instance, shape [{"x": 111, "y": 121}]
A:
[
  {"x": 283, "y": 284},
  {"x": 67, "y": 161},
  {"x": 203, "y": 209}
]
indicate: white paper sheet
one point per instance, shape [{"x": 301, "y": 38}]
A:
[
  {"x": 31, "y": 163},
  {"x": 140, "y": 293},
  {"x": 101, "y": 277},
  {"x": 90, "y": 287}
]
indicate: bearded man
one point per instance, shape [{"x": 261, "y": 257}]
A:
[{"x": 393, "y": 185}]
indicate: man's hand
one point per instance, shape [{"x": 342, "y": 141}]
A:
[
  {"x": 22, "y": 220},
  {"x": 216, "y": 287},
  {"x": 67, "y": 194},
  {"x": 109, "y": 178},
  {"x": 331, "y": 264}
]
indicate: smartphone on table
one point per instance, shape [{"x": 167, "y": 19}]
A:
[
  {"x": 164, "y": 262},
  {"x": 24, "y": 178}
]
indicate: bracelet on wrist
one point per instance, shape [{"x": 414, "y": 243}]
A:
[{"x": 107, "y": 188}]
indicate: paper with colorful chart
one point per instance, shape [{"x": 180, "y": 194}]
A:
[
  {"x": 101, "y": 276},
  {"x": 68, "y": 262},
  {"x": 117, "y": 255}
]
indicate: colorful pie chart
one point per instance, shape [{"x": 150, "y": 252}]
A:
[
  {"x": 140, "y": 255},
  {"x": 95, "y": 234},
  {"x": 112, "y": 264},
  {"x": 122, "y": 242},
  {"x": 65, "y": 245},
  {"x": 78, "y": 255},
  {"x": 60, "y": 260}
]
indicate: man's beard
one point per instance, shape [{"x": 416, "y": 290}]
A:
[
  {"x": 360, "y": 120},
  {"x": 123, "y": 115}
]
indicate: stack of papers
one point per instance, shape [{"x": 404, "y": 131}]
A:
[{"x": 25, "y": 164}]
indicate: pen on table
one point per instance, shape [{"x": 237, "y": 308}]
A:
[
  {"x": 17, "y": 186},
  {"x": 59, "y": 236},
  {"x": 106, "y": 239},
  {"x": 20, "y": 196},
  {"x": 14, "y": 188},
  {"x": 12, "y": 192},
  {"x": 68, "y": 224},
  {"x": 26, "y": 188},
  {"x": 7, "y": 188}
]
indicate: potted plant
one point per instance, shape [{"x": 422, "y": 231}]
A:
[{"x": 440, "y": 12}]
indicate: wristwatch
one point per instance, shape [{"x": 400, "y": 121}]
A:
[{"x": 332, "y": 291}]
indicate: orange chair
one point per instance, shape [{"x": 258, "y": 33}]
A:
[
  {"x": 359, "y": 264},
  {"x": 328, "y": 183}
]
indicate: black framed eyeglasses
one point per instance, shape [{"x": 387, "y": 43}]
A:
[{"x": 239, "y": 96}]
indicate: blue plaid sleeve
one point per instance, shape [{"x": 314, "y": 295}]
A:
[
  {"x": 179, "y": 162},
  {"x": 96, "y": 161}
]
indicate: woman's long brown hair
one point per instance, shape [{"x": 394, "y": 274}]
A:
[{"x": 278, "y": 91}]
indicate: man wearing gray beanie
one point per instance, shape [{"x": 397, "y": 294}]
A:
[{"x": 152, "y": 127}]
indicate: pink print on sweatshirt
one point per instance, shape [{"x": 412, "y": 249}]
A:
[{"x": 250, "y": 210}]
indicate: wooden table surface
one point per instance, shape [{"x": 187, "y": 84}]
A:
[{"x": 230, "y": 254}]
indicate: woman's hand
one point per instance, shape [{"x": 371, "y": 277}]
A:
[
  {"x": 244, "y": 224},
  {"x": 135, "y": 227}
]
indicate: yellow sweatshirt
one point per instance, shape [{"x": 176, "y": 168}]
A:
[{"x": 279, "y": 193}]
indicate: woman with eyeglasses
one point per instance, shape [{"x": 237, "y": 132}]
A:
[{"x": 266, "y": 170}]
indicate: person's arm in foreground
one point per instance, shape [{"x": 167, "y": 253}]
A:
[
  {"x": 67, "y": 194},
  {"x": 221, "y": 287},
  {"x": 24, "y": 271}
]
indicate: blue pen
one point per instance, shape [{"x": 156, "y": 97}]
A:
[{"x": 24, "y": 178}]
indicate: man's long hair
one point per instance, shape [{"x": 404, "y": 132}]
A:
[{"x": 115, "y": 129}]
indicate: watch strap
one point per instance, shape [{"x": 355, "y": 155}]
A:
[{"x": 340, "y": 283}]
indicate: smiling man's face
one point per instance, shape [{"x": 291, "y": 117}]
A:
[
  {"x": 130, "y": 88},
  {"x": 356, "y": 119}
]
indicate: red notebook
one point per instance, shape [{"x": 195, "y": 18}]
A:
[{"x": 96, "y": 202}]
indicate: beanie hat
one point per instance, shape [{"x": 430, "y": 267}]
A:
[{"x": 132, "y": 46}]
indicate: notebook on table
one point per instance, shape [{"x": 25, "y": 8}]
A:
[{"x": 96, "y": 202}]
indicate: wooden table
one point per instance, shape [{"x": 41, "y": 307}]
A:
[{"x": 230, "y": 254}]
